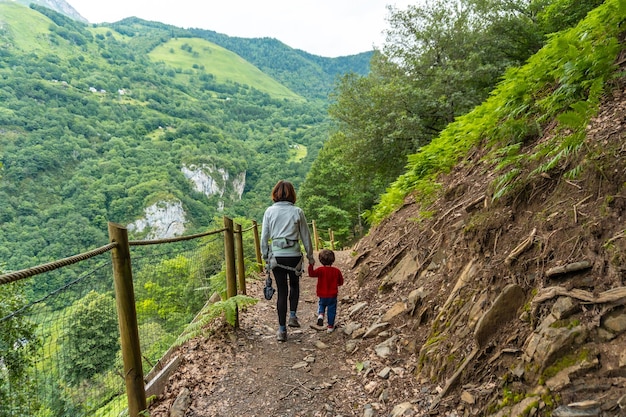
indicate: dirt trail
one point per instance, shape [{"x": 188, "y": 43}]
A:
[{"x": 246, "y": 372}]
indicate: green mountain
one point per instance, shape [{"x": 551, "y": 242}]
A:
[
  {"x": 304, "y": 73},
  {"x": 142, "y": 123},
  {"x": 225, "y": 66}
]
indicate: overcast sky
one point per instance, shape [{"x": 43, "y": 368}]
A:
[{"x": 327, "y": 28}]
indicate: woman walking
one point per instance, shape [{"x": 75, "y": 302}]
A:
[{"x": 284, "y": 227}]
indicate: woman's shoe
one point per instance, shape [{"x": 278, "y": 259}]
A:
[
  {"x": 293, "y": 322},
  {"x": 281, "y": 336}
]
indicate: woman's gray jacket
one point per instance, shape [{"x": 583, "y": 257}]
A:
[{"x": 284, "y": 224}]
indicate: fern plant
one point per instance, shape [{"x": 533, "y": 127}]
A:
[
  {"x": 563, "y": 81},
  {"x": 226, "y": 308},
  {"x": 217, "y": 283}
]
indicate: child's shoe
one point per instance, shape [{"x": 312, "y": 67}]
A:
[
  {"x": 330, "y": 329},
  {"x": 320, "y": 320}
]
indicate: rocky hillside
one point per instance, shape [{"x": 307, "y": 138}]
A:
[{"x": 515, "y": 307}]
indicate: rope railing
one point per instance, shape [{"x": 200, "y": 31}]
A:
[
  {"x": 51, "y": 294},
  {"x": 174, "y": 239},
  {"x": 249, "y": 228},
  {"x": 51, "y": 266}
]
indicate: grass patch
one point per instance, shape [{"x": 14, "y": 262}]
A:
[
  {"x": 194, "y": 54},
  {"x": 297, "y": 153},
  {"x": 28, "y": 29},
  {"x": 565, "y": 362}
]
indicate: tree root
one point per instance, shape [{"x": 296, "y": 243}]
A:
[
  {"x": 472, "y": 204},
  {"x": 566, "y": 269},
  {"x": 614, "y": 295}
]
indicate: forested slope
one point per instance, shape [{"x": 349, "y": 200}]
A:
[
  {"x": 441, "y": 60},
  {"x": 101, "y": 122},
  {"x": 310, "y": 75}
]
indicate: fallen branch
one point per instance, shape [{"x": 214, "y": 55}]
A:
[
  {"x": 575, "y": 207},
  {"x": 474, "y": 203},
  {"x": 574, "y": 248},
  {"x": 614, "y": 238},
  {"x": 447, "y": 213},
  {"x": 567, "y": 269},
  {"x": 521, "y": 248},
  {"x": 454, "y": 378},
  {"x": 583, "y": 201},
  {"x": 289, "y": 393},
  {"x": 302, "y": 385},
  {"x": 295, "y": 387},
  {"x": 608, "y": 296},
  {"x": 495, "y": 241},
  {"x": 574, "y": 185}
]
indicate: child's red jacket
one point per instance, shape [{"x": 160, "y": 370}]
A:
[{"x": 329, "y": 279}]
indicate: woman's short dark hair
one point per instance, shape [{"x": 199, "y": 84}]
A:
[
  {"x": 327, "y": 257},
  {"x": 284, "y": 191}
]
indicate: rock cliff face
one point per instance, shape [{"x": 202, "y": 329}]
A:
[
  {"x": 166, "y": 219},
  {"x": 210, "y": 180},
  {"x": 162, "y": 220}
]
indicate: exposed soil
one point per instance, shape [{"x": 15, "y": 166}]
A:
[
  {"x": 247, "y": 372},
  {"x": 459, "y": 261}
]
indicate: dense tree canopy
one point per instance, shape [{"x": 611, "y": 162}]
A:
[
  {"x": 17, "y": 346},
  {"x": 91, "y": 337},
  {"x": 441, "y": 59}
]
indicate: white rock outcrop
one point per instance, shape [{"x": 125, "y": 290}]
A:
[
  {"x": 203, "y": 182},
  {"x": 210, "y": 180},
  {"x": 162, "y": 220}
]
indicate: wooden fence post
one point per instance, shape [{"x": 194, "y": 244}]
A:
[
  {"x": 316, "y": 236},
  {"x": 229, "y": 257},
  {"x": 257, "y": 245},
  {"x": 332, "y": 238},
  {"x": 241, "y": 266},
  {"x": 127, "y": 318}
]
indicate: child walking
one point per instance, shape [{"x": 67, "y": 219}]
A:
[{"x": 329, "y": 279}]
